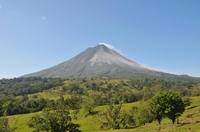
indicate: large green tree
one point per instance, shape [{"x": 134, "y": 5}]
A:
[{"x": 167, "y": 104}]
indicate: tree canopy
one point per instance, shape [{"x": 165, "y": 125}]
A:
[
  {"x": 167, "y": 104},
  {"x": 55, "y": 118}
]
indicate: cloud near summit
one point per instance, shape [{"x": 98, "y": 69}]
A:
[
  {"x": 108, "y": 45},
  {"x": 111, "y": 47}
]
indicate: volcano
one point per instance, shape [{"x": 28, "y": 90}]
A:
[{"x": 99, "y": 61}]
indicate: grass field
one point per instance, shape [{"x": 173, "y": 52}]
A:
[{"x": 188, "y": 122}]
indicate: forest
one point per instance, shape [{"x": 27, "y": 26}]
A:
[{"x": 24, "y": 95}]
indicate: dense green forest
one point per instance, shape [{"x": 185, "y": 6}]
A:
[
  {"x": 21, "y": 95},
  {"x": 23, "y": 86}
]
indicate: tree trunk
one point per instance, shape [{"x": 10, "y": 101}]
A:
[{"x": 173, "y": 120}]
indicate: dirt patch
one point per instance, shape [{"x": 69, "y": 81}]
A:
[
  {"x": 191, "y": 115},
  {"x": 11, "y": 119}
]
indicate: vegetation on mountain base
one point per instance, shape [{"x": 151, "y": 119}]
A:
[
  {"x": 23, "y": 86},
  {"x": 87, "y": 94}
]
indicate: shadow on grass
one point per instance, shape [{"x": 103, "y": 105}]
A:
[
  {"x": 197, "y": 122},
  {"x": 12, "y": 129},
  {"x": 182, "y": 124},
  {"x": 92, "y": 113},
  {"x": 132, "y": 127},
  {"x": 191, "y": 115},
  {"x": 192, "y": 107}
]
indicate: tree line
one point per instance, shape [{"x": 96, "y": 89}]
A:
[
  {"x": 10, "y": 105},
  {"x": 29, "y": 85}
]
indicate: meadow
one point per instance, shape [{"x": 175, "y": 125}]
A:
[{"x": 189, "y": 121}]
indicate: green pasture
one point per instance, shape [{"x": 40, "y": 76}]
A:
[{"x": 188, "y": 122}]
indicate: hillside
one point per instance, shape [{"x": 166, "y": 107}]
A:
[
  {"x": 92, "y": 97},
  {"x": 189, "y": 121}
]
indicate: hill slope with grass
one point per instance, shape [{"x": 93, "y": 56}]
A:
[
  {"x": 93, "y": 98},
  {"x": 189, "y": 121}
]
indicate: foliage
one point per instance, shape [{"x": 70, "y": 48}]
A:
[
  {"x": 188, "y": 120},
  {"x": 167, "y": 104},
  {"x": 4, "y": 127},
  {"x": 29, "y": 85},
  {"x": 88, "y": 105},
  {"x": 88, "y": 94},
  {"x": 142, "y": 114},
  {"x": 13, "y": 105},
  {"x": 115, "y": 118},
  {"x": 74, "y": 102},
  {"x": 39, "y": 123},
  {"x": 187, "y": 101},
  {"x": 6, "y": 106},
  {"x": 54, "y": 119},
  {"x": 84, "y": 93}
]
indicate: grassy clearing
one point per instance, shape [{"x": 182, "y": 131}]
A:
[
  {"x": 50, "y": 94},
  {"x": 19, "y": 122},
  {"x": 188, "y": 122}
]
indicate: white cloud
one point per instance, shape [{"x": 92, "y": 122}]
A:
[
  {"x": 108, "y": 45},
  {"x": 111, "y": 47},
  {"x": 0, "y": 6}
]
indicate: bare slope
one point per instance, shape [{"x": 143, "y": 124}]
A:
[{"x": 99, "y": 61}]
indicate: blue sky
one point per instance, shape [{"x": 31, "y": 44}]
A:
[{"x": 162, "y": 35}]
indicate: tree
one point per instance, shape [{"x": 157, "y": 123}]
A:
[
  {"x": 175, "y": 106},
  {"x": 142, "y": 114},
  {"x": 89, "y": 105},
  {"x": 158, "y": 106},
  {"x": 54, "y": 119},
  {"x": 115, "y": 118},
  {"x": 39, "y": 123},
  {"x": 74, "y": 102},
  {"x": 147, "y": 93},
  {"x": 167, "y": 104},
  {"x": 187, "y": 101},
  {"x": 6, "y": 107}
]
